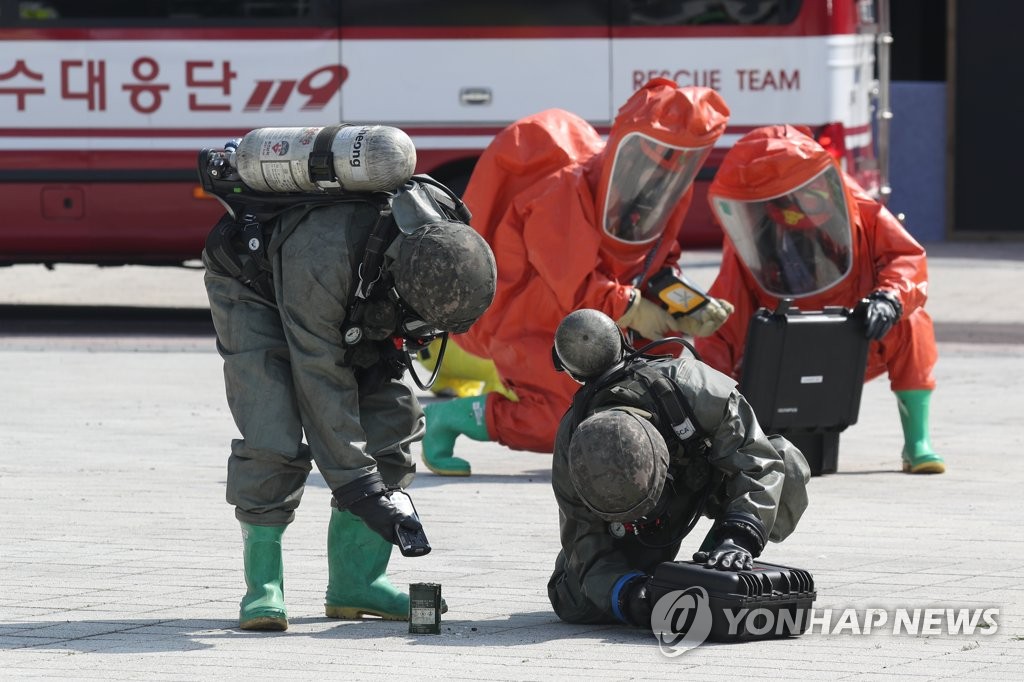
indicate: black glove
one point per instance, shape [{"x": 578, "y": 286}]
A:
[
  {"x": 369, "y": 499},
  {"x": 729, "y": 555},
  {"x": 633, "y": 603},
  {"x": 738, "y": 538},
  {"x": 883, "y": 310}
]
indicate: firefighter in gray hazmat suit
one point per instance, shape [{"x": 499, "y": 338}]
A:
[
  {"x": 649, "y": 445},
  {"x": 290, "y": 371}
]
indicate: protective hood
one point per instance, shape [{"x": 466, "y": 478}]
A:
[
  {"x": 657, "y": 143},
  {"x": 781, "y": 200}
]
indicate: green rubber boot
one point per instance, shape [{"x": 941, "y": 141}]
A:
[
  {"x": 357, "y": 562},
  {"x": 446, "y": 421},
  {"x": 918, "y": 455},
  {"x": 262, "y": 606}
]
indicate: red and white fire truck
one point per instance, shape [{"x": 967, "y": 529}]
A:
[{"x": 105, "y": 105}]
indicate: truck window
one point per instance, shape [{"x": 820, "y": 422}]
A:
[
  {"x": 710, "y": 12},
  {"x": 179, "y": 12},
  {"x": 475, "y": 13}
]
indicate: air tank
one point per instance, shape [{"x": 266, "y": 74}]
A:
[{"x": 355, "y": 158}]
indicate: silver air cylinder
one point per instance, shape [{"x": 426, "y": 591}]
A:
[{"x": 356, "y": 158}]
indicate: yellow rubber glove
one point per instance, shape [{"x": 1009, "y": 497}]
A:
[
  {"x": 648, "y": 319},
  {"x": 705, "y": 320}
]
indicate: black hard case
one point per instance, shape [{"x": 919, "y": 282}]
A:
[
  {"x": 803, "y": 373},
  {"x": 777, "y": 589}
]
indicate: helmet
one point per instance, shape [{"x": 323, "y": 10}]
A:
[
  {"x": 618, "y": 463},
  {"x": 587, "y": 343},
  {"x": 445, "y": 272}
]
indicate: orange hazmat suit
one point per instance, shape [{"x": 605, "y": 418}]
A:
[
  {"x": 542, "y": 195},
  {"x": 769, "y": 162}
]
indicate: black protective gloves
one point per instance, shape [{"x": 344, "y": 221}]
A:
[
  {"x": 882, "y": 311},
  {"x": 633, "y": 603},
  {"x": 738, "y": 538},
  {"x": 729, "y": 555},
  {"x": 369, "y": 499}
]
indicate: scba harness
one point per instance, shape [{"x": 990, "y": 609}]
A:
[
  {"x": 638, "y": 383},
  {"x": 237, "y": 245}
]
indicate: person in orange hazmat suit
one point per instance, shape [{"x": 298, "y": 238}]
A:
[
  {"x": 575, "y": 222},
  {"x": 796, "y": 226}
]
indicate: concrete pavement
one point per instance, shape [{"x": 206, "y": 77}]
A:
[{"x": 119, "y": 558}]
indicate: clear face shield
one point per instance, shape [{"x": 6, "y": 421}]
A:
[
  {"x": 796, "y": 244},
  {"x": 648, "y": 179}
]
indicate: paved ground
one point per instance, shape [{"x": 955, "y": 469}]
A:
[{"x": 119, "y": 558}]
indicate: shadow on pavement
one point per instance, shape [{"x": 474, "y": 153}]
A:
[
  {"x": 121, "y": 636},
  {"x": 980, "y": 332},
  {"x": 103, "y": 320},
  {"x": 518, "y": 629},
  {"x": 870, "y": 472},
  {"x": 127, "y": 636},
  {"x": 425, "y": 479}
]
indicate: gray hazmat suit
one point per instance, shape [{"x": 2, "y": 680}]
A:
[
  {"x": 751, "y": 475},
  {"x": 286, "y": 374}
]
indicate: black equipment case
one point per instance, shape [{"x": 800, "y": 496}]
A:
[
  {"x": 803, "y": 373},
  {"x": 777, "y": 599}
]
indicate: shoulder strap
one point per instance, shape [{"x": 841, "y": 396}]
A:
[
  {"x": 584, "y": 397},
  {"x": 252, "y": 236},
  {"x": 369, "y": 270},
  {"x": 673, "y": 407}
]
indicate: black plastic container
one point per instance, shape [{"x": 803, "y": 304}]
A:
[
  {"x": 767, "y": 602},
  {"x": 803, "y": 373}
]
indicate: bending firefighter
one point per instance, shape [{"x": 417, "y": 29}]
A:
[
  {"x": 577, "y": 223},
  {"x": 317, "y": 305},
  {"x": 649, "y": 446},
  {"x": 797, "y": 227}
]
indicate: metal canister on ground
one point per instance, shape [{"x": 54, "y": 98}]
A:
[{"x": 425, "y": 608}]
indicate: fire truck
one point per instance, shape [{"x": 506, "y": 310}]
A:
[{"x": 104, "y": 105}]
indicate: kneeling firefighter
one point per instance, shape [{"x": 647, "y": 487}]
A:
[
  {"x": 650, "y": 444},
  {"x": 333, "y": 264}
]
